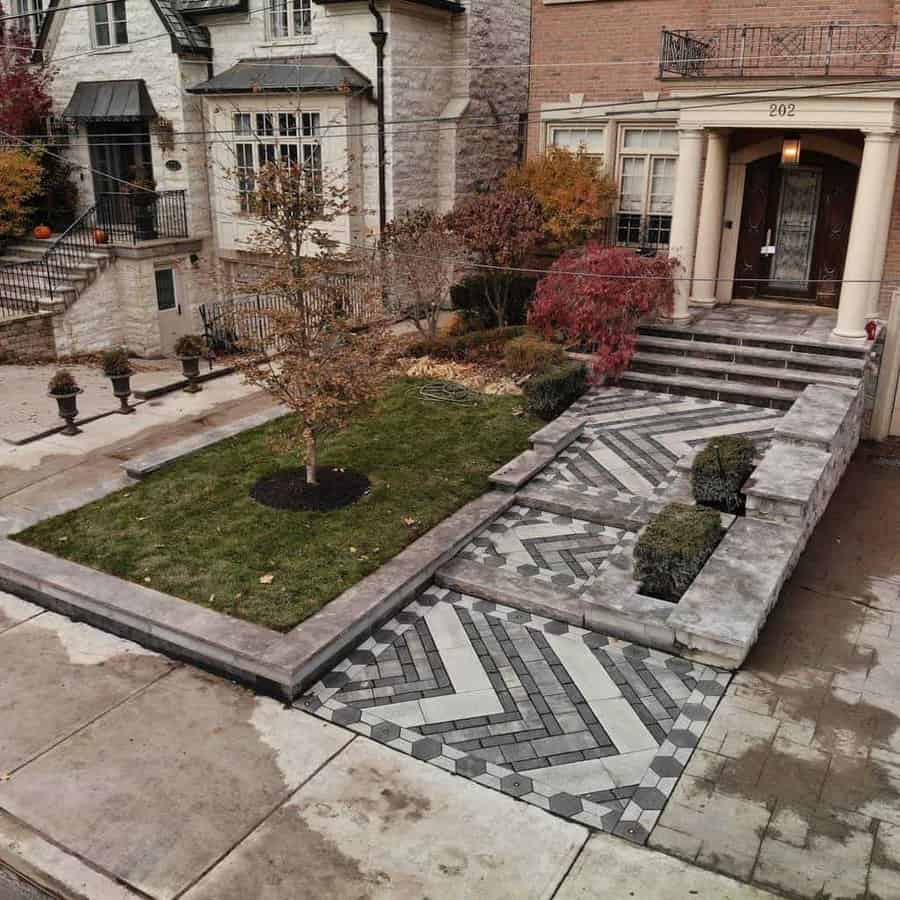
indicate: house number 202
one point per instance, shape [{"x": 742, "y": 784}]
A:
[{"x": 782, "y": 110}]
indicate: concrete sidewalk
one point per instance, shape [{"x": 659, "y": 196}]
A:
[{"x": 128, "y": 775}]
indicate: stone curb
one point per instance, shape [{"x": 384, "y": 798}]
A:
[
  {"x": 179, "y": 383},
  {"x": 279, "y": 664},
  {"x": 50, "y": 871},
  {"x": 141, "y": 466}
]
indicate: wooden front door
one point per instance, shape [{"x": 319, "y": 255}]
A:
[{"x": 795, "y": 223}]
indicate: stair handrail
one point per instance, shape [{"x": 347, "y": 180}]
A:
[{"x": 74, "y": 244}]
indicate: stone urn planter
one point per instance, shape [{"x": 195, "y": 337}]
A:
[
  {"x": 117, "y": 369},
  {"x": 189, "y": 349},
  {"x": 64, "y": 389}
]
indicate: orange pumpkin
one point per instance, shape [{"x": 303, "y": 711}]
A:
[
  {"x": 42, "y": 232},
  {"x": 100, "y": 236}
]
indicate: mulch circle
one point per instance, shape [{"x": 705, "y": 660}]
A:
[{"x": 288, "y": 489}]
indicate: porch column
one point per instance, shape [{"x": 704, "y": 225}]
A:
[
  {"x": 712, "y": 210},
  {"x": 685, "y": 208},
  {"x": 883, "y": 232},
  {"x": 874, "y": 192}
]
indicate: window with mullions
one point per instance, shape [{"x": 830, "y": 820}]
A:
[
  {"x": 290, "y": 139},
  {"x": 647, "y": 160},
  {"x": 110, "y": 24},
  {"x": 28, "y": 14},
  {"x": 289, "y": 19}
]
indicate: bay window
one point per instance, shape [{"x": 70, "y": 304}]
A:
[
  {"x": 285, "y": 138},
  {"x": 647, "y": 160}
]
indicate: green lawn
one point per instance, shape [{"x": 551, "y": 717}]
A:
[{"x": 192, "y": 530}]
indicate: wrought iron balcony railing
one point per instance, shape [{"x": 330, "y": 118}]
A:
[
  {"x": 743, "y": 50},
  {"x": 143, "y": 215}
]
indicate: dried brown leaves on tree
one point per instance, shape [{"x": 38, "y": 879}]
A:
[
  {"x": 415, "y": 264},
  {"x": 325, "y": 349}
]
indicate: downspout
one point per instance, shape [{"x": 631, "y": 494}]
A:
[{"x": 379, "y": 39}]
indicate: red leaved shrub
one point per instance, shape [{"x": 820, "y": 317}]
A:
[{"x": 596, "y": 297}]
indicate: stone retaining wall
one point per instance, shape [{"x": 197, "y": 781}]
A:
[{"x": 27, "y": 338}]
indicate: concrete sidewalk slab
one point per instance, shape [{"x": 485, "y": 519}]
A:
[
  {"x": 161, "y": 787},
  {"x": 59, "y": 675},
  {"x": 377, "y": 824},
  {"x": 13, "y": 610},
  {"x": 606, "y": 865}
]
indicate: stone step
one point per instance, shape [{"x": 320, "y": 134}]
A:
[
  {"x": 523, "y": 467},
  {"x": 712, "y": 388},
  {"x": 794, "y": 379},
  {"x": 527, "y": 594},
  {"x": 706, "y": 334},
  {"x": 602, "y": 510},
  {"x": 558, "y": 434},
  {"x": 761, "y": 356}
]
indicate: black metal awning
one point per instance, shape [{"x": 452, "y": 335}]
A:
[{"x": 111, "y": 101}]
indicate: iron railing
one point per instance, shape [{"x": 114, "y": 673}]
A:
[
  {"x": 245, "y": 324},
  {"x": 740, "y": 50},
  {"x": 22, "y": 286},
  {"x": 143, "y": 215}
]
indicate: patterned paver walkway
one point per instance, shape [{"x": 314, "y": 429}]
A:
[{"x": 590, "y": 727}]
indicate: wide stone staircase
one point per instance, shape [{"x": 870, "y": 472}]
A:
[{"x": 761, "y": 369}]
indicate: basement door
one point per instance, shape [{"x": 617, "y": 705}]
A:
[{"x": 171, "y": 322}]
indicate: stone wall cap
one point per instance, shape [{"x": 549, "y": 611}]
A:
[
  {"x": 788, "y": 472},
  {"x": 818, "y": 415}
]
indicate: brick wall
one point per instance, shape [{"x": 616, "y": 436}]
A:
[{"x": 27, "y": 338}]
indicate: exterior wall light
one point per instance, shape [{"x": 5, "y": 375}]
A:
[{"x": 790, "y": 151}]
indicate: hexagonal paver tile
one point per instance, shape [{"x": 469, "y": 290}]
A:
[
  {"x": 633, "y": 831},
  {"x": 516, "y": 785},
  {"x": 528, "y": 569},
  {"x": 346, "y": 716},
  {"x": 335, "y": 679},
  {"x": 594, "y": 640},
  {"x": 556, "y": 628},
  {"x": 565, "y": 804},
  {"x": 426, "y": 749},
  {"x": 407, "y": 618},
  {"x": 362, "y": 657},
  {"x": 649, "y": 798},
  {"x": 562, "y": 520},
  {"x": 680, "y": 737},
  {"x": 498, "y": 528},
  {"x": 385, "y": 731},
  {"x": 471, "y": 766},
  {"x": 710, "y": 688},
  {"x": 520, "y": 618},
  {"x": 696, "y": 713},
  {"x": 562, "y": 579},
  {"x": 678, "y": 665},
  {"x": 384, "y": 636},
  {"x": 634, "y": 652},
  {"x": 667, "y": 767},
  {"x": 484, "y": 606}
]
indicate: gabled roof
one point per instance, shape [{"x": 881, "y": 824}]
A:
[
  {"x": 188, "y": 38},
  {"x": 260, "y": 75}
]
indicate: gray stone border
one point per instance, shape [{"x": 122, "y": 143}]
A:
[{"x": 274, "y": 663}]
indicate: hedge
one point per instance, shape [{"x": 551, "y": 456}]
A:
[
  {"x": 719, "y": 471},
  {"x": 468, "y": 297},
  {"x": 550, "y": 394},
  {"x": 672, "y": 549},
  {"x": 468, "y": 346},
  {"x": 529, "y": 355}
]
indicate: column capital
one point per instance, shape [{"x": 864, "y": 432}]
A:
[
  {"x": 691, "y": 133},
  {"x": 880, "y": 135}
]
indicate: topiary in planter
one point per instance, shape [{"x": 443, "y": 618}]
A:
[
  {"x": 115, "y": 362},
  {"x": 552, "y": 393},
  {"x": 719, "y": 471},
  {"x": 189, "y": 345},
  {"x": 672, "y": 549},
  {"x": 62, "y": 384}
]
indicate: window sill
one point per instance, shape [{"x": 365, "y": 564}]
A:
[
  {"x": 304, "y": 41},
  {"x": 119, "y": 48}
]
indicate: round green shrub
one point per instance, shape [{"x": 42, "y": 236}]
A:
[
  {"x": 672, "y": 549},
  {"x": 720, "y": 470}
]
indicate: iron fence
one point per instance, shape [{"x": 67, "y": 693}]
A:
[
  {"x": 143, "y": 215},
  {"x": 245, "y": 324},
  {"x": 740, "y": 50},
  {"x": 22, "y": 287}
]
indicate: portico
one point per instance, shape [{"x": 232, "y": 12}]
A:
[{"x": 744, "y": 223}]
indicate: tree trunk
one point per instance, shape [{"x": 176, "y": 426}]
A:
[{"x": 311, "y": 459}]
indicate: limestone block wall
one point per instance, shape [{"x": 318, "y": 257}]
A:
[{"x": 27, "y": 338}]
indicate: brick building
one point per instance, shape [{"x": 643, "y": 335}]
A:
[{"x": 758, "y": 143}]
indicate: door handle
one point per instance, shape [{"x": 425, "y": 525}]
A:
[{"x": 179, "y": 309}]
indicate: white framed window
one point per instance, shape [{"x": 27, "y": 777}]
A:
[
  {"x": 30, "y": 13},
  {"x": 646, "y": 172},
  {"x": 288, "y": 19},
  {"x": 287, "y": 138},
  {"x": 590, "y": 139},
  {"x": 110, "y": 24}
]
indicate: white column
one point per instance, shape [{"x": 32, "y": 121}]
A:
[
  {"x": 712, "y": 209},
  {"x": 685, "y": 208},
  {"x": 868, "y": 215},
  {"x": 883, "y": 230}
]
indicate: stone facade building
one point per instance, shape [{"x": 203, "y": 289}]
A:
[
  {"x": 188, "y": 98},
  {"x": 758, "y": 143}
]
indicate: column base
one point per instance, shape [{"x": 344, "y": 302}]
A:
[
  {"x": 676, "y": 319},
  {"x": 839, "y": 332},
  {"x": 704, "y": 302}
]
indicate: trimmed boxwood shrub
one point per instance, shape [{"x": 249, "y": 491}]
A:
[
  {"x": 468, "y": 346},
  {"x": 719, "y": 471},
  {"x": 549, "y": 394},
  {"x": 529, "y": 355},
  {"x": 468, "y": 298},
  {"x": 672, "y": 549}
]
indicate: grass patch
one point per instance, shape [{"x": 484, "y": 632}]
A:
[{"x": 193, "y": 530}]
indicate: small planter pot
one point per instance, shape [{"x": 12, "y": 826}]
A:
[
  {"x": 190, "y": 368},
  {"x": 121, "y": 385},
  {"x": 68, "y": 410}
]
